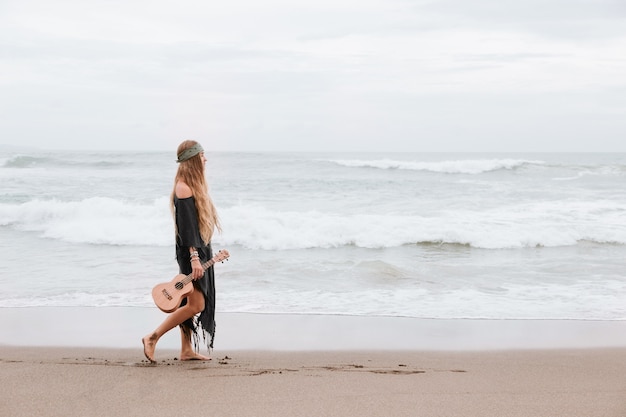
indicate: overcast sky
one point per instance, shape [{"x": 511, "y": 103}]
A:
[{"x": 314, "y": 75}]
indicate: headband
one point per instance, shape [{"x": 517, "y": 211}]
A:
[{"x": 189, "y": 153}]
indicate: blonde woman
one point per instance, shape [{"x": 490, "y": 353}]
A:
[{"x": 195, "y": 220}]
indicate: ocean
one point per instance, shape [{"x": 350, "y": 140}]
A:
[{"x": 425, "y": 235}]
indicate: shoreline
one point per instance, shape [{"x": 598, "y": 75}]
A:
[{"x": 123, "y": 327}]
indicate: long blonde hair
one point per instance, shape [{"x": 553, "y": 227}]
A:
[{"x": 191, "y": 172}]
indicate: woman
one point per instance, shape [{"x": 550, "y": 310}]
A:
[{"x": 195, "y": 220}]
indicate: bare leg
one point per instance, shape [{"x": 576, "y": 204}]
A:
[
  {"x": 187, "y": 353},
  {"x": 195, "y": 304}
]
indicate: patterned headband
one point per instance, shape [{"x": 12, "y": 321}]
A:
[{"x": 189, "y": 153}]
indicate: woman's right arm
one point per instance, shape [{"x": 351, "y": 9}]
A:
[{"x": 196, "y": 266}]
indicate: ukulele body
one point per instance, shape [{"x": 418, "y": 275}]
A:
[{"x": 169, "y": 295}]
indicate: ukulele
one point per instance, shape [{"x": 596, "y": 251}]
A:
[{"x": 168, "y": 296}]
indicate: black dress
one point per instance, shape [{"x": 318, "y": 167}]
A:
[{"x": 188, "y": 235}]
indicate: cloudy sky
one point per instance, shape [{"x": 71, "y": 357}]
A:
[{"x": 314, "y": 75}]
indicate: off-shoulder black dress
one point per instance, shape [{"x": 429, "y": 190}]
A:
[{"x": 188, "y": 235}]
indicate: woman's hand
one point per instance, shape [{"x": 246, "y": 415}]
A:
[{"x": 196, "y": 269}]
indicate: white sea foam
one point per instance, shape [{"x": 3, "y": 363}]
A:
[
  {"x": 96, "y": 220},
  {"x": 110, "y": 221},
  {"x": 526, "y": 226},
  {"x": 542, "y": 301}
]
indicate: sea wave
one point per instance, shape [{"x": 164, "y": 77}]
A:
[
  {"x": 108, "y": 221},
  {"x": 579, "y": 172},
  {"x": 96, "y": 220},
  {"x": 100, "y": 161},
  {"x": 524, "y": 226},
  {"x": 24, "y": 161},
  {"x": 469, "y": 166}
]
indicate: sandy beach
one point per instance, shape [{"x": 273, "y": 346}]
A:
[
  {"x": 89, "y": 362},
  {"x": 105, "y": 382}
]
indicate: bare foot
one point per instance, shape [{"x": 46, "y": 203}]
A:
[
  {"x": 149, "y": 343},
  {"x": 194, "y": 357}
]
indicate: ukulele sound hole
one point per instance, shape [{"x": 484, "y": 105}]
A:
[{"x": 179, "y": 285}]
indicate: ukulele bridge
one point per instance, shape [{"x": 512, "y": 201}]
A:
[{"x": 167, "y": 294}]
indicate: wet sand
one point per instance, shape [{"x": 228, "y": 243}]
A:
[{"x": 89, "y": 362}]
